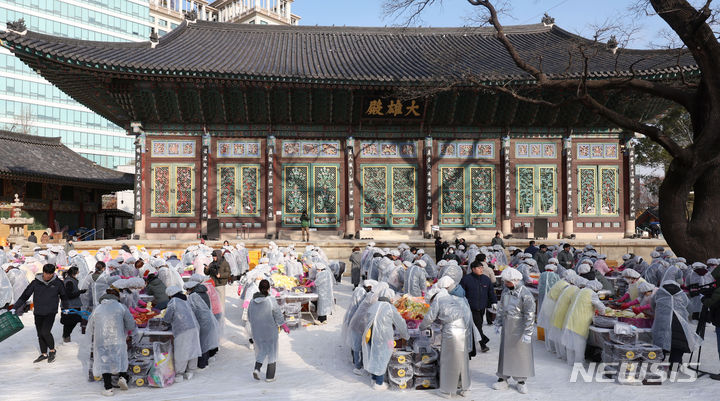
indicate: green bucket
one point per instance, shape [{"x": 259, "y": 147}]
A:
[{"x": 9, "y": 325}]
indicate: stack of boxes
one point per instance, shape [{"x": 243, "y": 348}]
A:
[
  {"x": 400, "y": 370},
  {"x": 292, "y": 314}
]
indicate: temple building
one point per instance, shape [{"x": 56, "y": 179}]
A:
[
  {"x": 60, "y": 189},
  {"x": 372, "y": 131}
]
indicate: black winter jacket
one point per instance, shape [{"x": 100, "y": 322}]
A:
[
  {"x": 72, "y": 293},
  {"x": 479, "y": 291},
  {"x": 46, "y": 295}
]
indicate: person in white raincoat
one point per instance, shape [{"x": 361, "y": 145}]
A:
[
  {"x": 366, "y": 258},
  {"x": 416, "y": 279},
  {"x": 293, "y": 268},
  {"x": 457, "y": 334},
  {"x": 265, "y": 317},
  {"x": 273, "y": 254},
  {"x": 185, "y": 331},
  {"x": 430, "y": 267},
  {"x": 107, "y": 328},
  {"x": 78, "y": 260},
  {"x": 358, "y": 321},
  {"x": 698, "y": 277},
  {"x": 7, "y": 294},
  {"x": 452, "y": 270},
  {"x": 209, "y": 335},
  {"x": 357, "y": 296},
  {"x": 324, "y": 287},
  {"x": 516, "y": 315},
  {"x": 577, "y": 322},
  {"x": 547, "y": 310},
  {"x": 242, "y": 258},
  {"x": 377, "y": 343},
  {"x": 385, "y": 268},
  {"x": 671, "y": 329},
  {"x": 396, "y": 278},
  {"x": 169, "y": 277},
  {"x": 18, "y": 279},
  {"x": 547, "y": 279},
  {"x": 557, "y": 321}
]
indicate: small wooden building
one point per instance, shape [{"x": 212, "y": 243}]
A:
[{"x": 59, "y": 188}]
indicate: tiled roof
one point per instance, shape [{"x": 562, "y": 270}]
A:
[
  {"x": 32, "y": 156},
  {"x": 353, "y": 54}
]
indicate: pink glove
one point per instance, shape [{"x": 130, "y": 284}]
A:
[
  {"x": 310, "y": 284},
  {"x": 245, "y": 304},
  {"x": 624, "y": 297},
  {"x": 629, "y": 304},
  {"x": 640, "y": 309},
  {"x": 285, "y": 328},
  {"x": 535, "y": 282}
]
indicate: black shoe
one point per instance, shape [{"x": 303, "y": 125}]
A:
[
  {"x": 40, "y": 358},
  {"x": 484, "y": 348},
  {"x": 66, "y": 339},
  {"x": 51, "y": 356},
  {"x": 715, "y": 377}
]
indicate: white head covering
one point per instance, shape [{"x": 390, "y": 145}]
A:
[
  {"x": 594, "y": 285},
  {"x": 512, "y": 275},
  {"x": 626, "y": 256},
  {"x": 645, "y": 287},
  {"x": 712, "y": 261},
  {"x": 172, "y": 290},
  {"x": 407, "y": 263},
  {"x": 602, "y": 256},
  {"x": 72, "y": 253},
  {"x": 434, "y": 290},
  {"x": 371, "y": 244},
  {"x": 553, "y": 261},
  {"x": 630, "y": 273},
  {"x": 550, "y": 267},
  {"x": 421, "y": 252},
  {"x": 370, "y": 283},
  {"x": 197, "y": 277},
  {"x": 698, "y": 265},
  {"x": 584, "y": 268},
  {"x": 654, "y": 254},
  {"x": 421, "y": 263},
  {"x": 191, "y": 284},
  {"x": 395, "y": 253},
  {"x": 446, "y": 282}
]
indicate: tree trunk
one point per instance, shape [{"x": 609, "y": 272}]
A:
[{"x": 696, "y": 238}]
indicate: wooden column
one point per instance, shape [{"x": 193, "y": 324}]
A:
[
  {"x": 427, "y": 150},
  {"x": 630, "y": 189},
  {"x": 138, "y": 215},
  {"x": 506, "y": 226},
  {"x": 568, "y": 228},
  {"x": 350, "y": 157},
  {"x": 271, "y": 222}
]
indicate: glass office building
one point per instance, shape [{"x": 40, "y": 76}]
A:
[{"x": 29, "y": 104}]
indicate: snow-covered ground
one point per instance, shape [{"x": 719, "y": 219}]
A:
[{"x": 313, "y": 364}]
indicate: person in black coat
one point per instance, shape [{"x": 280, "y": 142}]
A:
[
  {"x": 440, "y": 248},
  {"x": 480, "y": 294},
  {"x": 70, "y": 319},
  {"x": 47, "y": 290}
]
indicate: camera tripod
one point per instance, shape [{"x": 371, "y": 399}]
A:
[{"x": 702, "y": 322}]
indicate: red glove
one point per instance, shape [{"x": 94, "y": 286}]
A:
[
  {"x": 535, "y": 282},
  {"x": 640, "y": 309},
  {"x": 285, "y": 328},
  {"x": 629, "y": 304},
  {"x": 624, "y": 297},
  {"x": 310, "y": 284}
]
